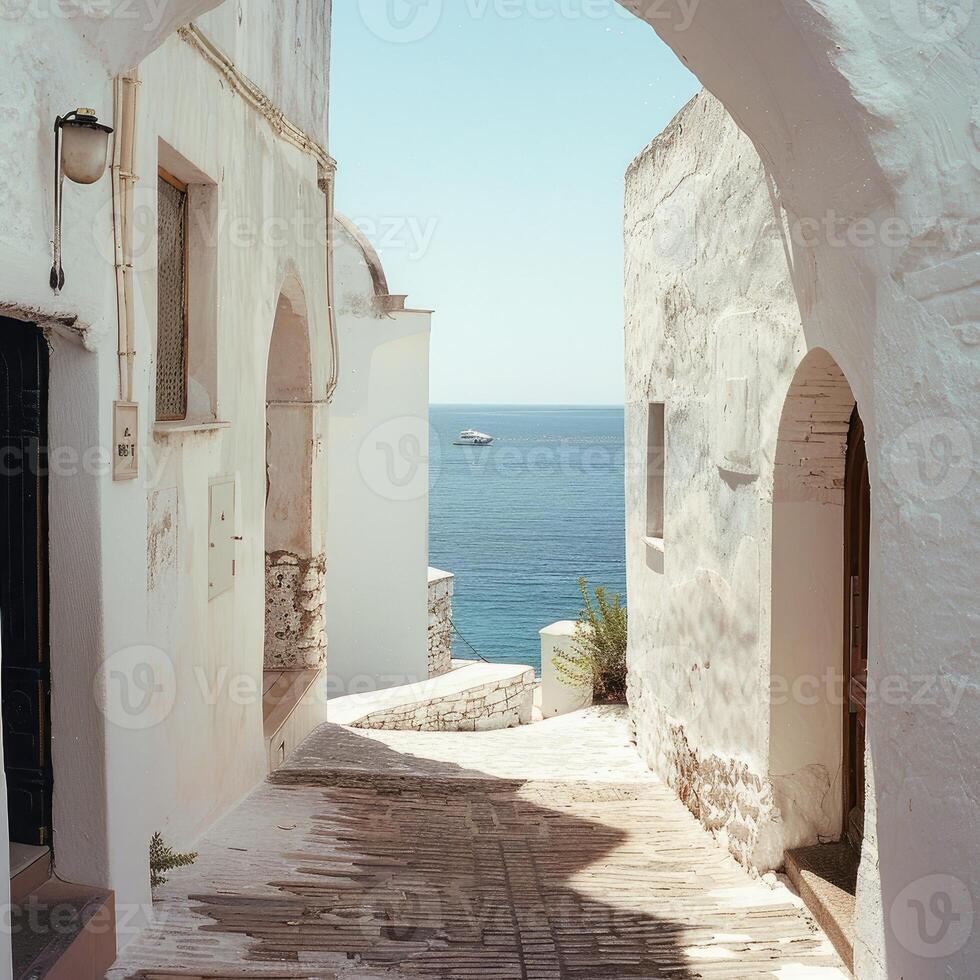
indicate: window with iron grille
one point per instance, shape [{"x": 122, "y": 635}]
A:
[{"x": 171, "y": 299}]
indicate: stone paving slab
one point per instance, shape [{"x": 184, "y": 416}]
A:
[
  {"x": 590, "y": 745},
  {"x": 479, "y": 874}
]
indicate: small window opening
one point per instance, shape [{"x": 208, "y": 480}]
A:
[{"x": 656, "y": 465}]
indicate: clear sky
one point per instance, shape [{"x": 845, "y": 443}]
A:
[{"x": 481, "y": 145}]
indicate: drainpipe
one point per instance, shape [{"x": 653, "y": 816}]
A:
[
  {"x": 123, "y": 178},
  {"x": 326, "y": 182}
]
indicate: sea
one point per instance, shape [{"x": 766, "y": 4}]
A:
[{"x": 518, "y": 522}]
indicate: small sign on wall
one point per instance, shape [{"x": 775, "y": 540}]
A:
[{"x": 125, "y": 434}]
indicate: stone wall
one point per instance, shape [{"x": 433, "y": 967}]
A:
[
  {"x": 502, "y": 702},
  {"x": 440, "y": 621},
  {"x": 295, "y": 638}
]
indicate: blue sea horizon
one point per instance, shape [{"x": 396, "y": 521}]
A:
[{"x": 519, "y": 521}]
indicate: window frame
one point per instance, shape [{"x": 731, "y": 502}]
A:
[{"x": 175, "y": 182}]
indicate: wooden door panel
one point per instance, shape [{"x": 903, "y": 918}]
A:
[
  {"x": 24, "y": 657},
  {"x": 857, "y": 542}
]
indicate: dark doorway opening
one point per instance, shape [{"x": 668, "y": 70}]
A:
[
  {"x": 25, "y": 674},
  {"x": 857, "y": 547}
]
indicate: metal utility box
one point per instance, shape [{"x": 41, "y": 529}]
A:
[{"x": 221, "y": 537}]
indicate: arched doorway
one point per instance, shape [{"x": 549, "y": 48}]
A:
[
  {"x": 294, "y": 563},
  {"x": 857, "y": 561},
  {"x": 820, "y": 565},
  {"x": 821, "y": 509}
]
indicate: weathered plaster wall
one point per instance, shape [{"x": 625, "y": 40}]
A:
[
  {"x": 54, "y": 63},
  {"x": 708, "y": 300},
  {"x": 866, "y": 118},
  {"x": 735, "y": 270},
  {"x": 440, "y": 646},
  {"x": 378, "y": 477},
  {"x": 284, "y": 47},
  {"x": 129, "y": 561},
  {"x": 863, "y": 114},
  {"x": 209, "y": 751}
]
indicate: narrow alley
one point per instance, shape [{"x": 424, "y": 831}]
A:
[{"x": 537, "y": 852}]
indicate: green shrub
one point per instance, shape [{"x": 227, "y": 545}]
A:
[
  {"x": 164, "y": 859},
  {"x": 598, "y": 654}
]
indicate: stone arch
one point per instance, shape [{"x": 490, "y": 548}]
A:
[
  {"x": 807, "y": 702},
  {"x": 294, "y": 563},
  {"x": 289, "y": 372}
]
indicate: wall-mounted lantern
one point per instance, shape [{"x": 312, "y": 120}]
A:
[{"x": 81, "y": 145}]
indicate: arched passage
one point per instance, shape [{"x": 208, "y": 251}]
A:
[
  {"x": 294, "y": 564},
  {"x": 813, "y": 752}
]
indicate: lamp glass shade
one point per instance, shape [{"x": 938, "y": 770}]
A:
[{"x": 84, "y": 149}]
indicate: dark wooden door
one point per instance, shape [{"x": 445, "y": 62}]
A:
[
  {"x": 857, "y": 541},
  {"x": 24, "y": 660}
]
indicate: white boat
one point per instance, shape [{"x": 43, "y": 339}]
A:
[{"x": 470, "y": 437}]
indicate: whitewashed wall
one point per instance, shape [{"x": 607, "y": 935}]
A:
[
  {"x": 54, "y": 64},
  {"x": 722, "y": 284},
  {"x": 708, "y": 299},
  {"x": 209, "y": 750},
  {"x": 128, "y": 561},
  {"x": 866, "y": 119},
  {"x": 378, "y": 475},
  {"x": 284, "y": 48}
]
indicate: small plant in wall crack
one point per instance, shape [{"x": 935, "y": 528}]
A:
[
  {"x": 598, "y": 654},
  {"x": 164, "y": 859}
]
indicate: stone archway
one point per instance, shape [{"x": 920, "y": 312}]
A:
[{"x": 295, "y": 565}]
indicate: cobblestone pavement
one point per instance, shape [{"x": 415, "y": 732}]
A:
[{"x": 541, "y": 852}]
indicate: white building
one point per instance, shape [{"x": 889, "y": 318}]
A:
[
  {"x": 799, "y": 616},
  {"x": 378, "y": 480},
  {"x": 164, "y": 638}
]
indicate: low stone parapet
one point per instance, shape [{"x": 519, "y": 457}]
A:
[
  {"x": 472, "y": 696},
  {"x": 558, "y": 697},
  {"x": 440, "y": 621}
]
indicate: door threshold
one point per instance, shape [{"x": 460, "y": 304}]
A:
[{"x": 825, "y": 876}]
